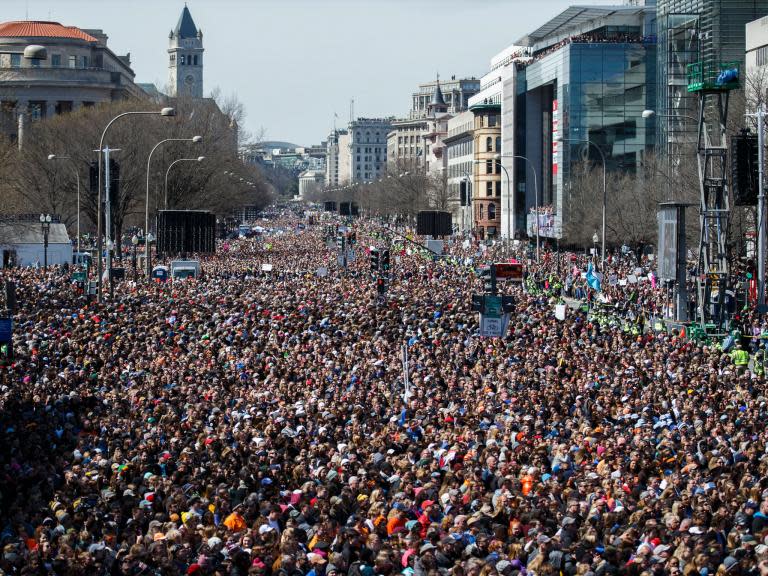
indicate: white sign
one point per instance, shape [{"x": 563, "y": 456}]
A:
[
  {"x": 493, "y": 327},
  {"x": 632, "y": 279},
  {"x": 266, "y": 267},
  {"x": 322, "y": 272},
  {"x": 560, "y": 311}
]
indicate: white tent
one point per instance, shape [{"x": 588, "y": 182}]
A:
[{"x": 21, "y": 244}]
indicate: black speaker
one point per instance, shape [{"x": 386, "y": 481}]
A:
[
  {"x": 186, "y": 231},
  {"x": 744, "y": 169},
  {"x": 329, "y": 206},
  {"x": 434, "y": 223},
  {"x": 345, "y": 209}
]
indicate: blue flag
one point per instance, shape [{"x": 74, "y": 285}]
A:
[{"x": 593, "y": 279}]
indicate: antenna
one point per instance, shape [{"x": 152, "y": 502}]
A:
[{"x": 352, "y": 110}]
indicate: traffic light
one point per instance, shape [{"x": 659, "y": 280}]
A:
[
  {"x": 114, "y": 181},
  {"x": 463, "y": 193},
  {"x": 385, "y": 260},
  {"x": 352, "y": 238},
  {"x": 93, "y": 179},
  {"x": 374, "y": 260},
  {"x": 340, "y": 243},
  {"x": 381, "y": 285},
  {"x": 489, "y": 279}
]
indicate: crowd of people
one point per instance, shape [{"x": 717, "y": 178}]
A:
[{"x": 256, "y": 422}]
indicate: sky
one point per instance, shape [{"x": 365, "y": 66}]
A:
[{"x": 295, "y": 63}]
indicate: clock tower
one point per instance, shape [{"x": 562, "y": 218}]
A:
[{"x": 185, "y": 58}]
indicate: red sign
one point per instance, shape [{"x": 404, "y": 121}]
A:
[{"x": 509, "y": 271}]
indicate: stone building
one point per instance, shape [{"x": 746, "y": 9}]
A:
[
  {"x": 78, "y": 70},
  {"x": 185, "y": 58}
]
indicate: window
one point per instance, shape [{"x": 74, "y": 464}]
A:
[
  {"x": 498, "y": 143},
  {"x": 489, "y": 166},
  {"x": 492, "y": 120},
  {"x": 15, "y": 60},
  {"x": 498, "y": 188},
  {"x": 194, "y": 59},
  {"x": 84, "y": 61},
  {"x": 73, "y": 61},
  {"x": 491, "y": 211},
  {"x": 35, "y": 63},
  {"x": 182, "y": 59},
  {"x": 173, "y": 59},
  {"x": 489, "y": 188},
  {"x": 480, "y": 210},
  {"x": 498, "y": 166},
  {"x": 489, "y": 144},
  {"x": 55, "y": 60}
]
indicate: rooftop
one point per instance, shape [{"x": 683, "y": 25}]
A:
[
  {"x": 42, "y": 29},
  {"x": 576, "y": 16}
]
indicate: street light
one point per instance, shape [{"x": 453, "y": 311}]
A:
[
  {"x": 535, "y": 194},
  {"x": 198, "y": 159},
  {"x": 195, "y": 140},
  {"x": 135, "y": 242},
  {"x": 605, "y": 189},
  {"x": 148, "y": 238},
  {"x": 595, "y": 239},
  {"x": 77, "y": 178},
  {"x": 164, "y": 112},
  {"x": 45, "y": 224}
]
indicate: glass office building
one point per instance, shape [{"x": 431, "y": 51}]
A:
[
  {"x": 710, "y": 31},
  {"x": 589, "y": 80}
]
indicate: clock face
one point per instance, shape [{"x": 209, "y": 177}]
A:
[{"x": 189, "y": 80}]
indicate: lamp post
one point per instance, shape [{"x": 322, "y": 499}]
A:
[
  {"x": 198, "y": 159},
  {"x": 165, "y": 112},
  {"x": 194, "y": 139},
  {"x": 148, "y": 238},
  {"x": 135, "y": 242},
  {"x": 605, "y": 189},
  {"x": 595, "y": 239},
  {"x": 45, "y": 225},
  {"x": 77, "y": 179},
  {"x": 535, "y": 194}
]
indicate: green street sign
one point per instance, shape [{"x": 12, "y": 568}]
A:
[{"x": 493, "y": 307}]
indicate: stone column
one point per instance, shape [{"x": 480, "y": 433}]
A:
[
  {"x": 50, "y": 109},
  {"x": 22, "y": 110}
]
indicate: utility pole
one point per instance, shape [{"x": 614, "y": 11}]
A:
[{"x": 761, "y": 208}]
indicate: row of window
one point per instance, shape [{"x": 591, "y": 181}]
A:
[
  {"x": 187, "y": 59},
  {"x": 56, "y": 61},
  {"x": 762, "y": 56}
]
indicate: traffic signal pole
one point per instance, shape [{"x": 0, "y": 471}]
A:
[{"x": 760, "y": 208}]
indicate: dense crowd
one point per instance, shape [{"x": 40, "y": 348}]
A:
[{"x": 254, "y": 422}]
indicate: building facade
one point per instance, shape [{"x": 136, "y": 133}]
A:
[
  {"x": 368, "y": 148},
  {"x": 185, "y": 58},
  {"x": 456, "y": 94},
  {"x": 78, "y": 70},
  {"x": 311, "y": 181},
  {"x": 756, "y": 56},
  {"x": 338, "y": 159},
  {"x": 486, "y": 173},
  {"x": 581, "y": 93},
  {"x": 689, "y": 31},
  {"x": 460, "y": 151},
  {"x": 405, "y": 145}
]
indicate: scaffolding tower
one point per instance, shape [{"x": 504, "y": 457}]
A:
[{"x": 713, "y": 85}]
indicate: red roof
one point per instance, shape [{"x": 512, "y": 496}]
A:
[{"x": 38, "y": 29}]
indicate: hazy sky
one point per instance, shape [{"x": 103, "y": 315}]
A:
[{"x": 293, "y": 63}]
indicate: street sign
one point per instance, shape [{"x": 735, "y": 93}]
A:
[
  {"x": 492, "y": 307},
  {"x": 493, "y": 327},
  {"x": 509, "y": 271}
]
